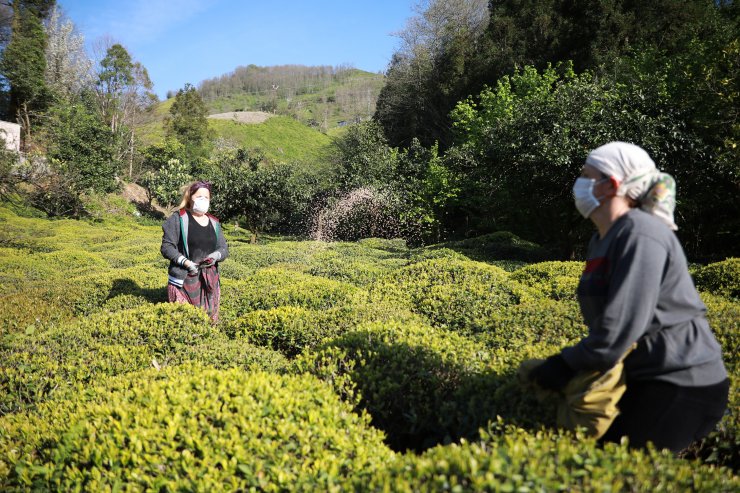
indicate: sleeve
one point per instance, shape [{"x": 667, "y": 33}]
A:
[
  {"x": 631, "y": 300},
  {"x": 170, "y": 239},
  {"x": 221, "y": 247}
]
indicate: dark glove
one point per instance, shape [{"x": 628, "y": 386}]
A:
[{"x": 553, "y": 374}]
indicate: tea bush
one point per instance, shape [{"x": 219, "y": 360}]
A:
[
  {"x": 557, "y": 280},
  {"x": 507, "y": 458},
  {"x": 721, "y": 278},
  {"x": 39, "y": 366},
  {"x": 193, "y": 429},
  {"x": 273, "y": 287},
  {"x": 452, "y": 294},
  {"x": 501, "y": 245},
  {"x": 424, "y": 386},
  {"x": 291, "y": 330}
]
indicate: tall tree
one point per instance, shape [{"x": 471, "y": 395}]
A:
[
  {"x": 23, "y": 63},
  {"x": 67, "y": 64},
  {"x": 123, "y": 91},
  {"x": 188, "y": 123}
]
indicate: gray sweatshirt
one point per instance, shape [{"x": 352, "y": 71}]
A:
[
  {"x": 636, "y": 287},
  {"x": 175, "y": 240}
]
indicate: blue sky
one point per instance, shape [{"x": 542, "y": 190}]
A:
[{"x": 181, "y": 41}]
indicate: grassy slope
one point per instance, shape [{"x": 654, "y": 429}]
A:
[{"x": 281, "y": 138}]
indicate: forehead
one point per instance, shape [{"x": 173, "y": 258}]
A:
[
  {"x": 202, "y": 192},
  {"x": 589, "y": 171}
]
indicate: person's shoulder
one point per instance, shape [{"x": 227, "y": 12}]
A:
[
  {"x": 174, "y": 217},
  {"x": 639, "y": 223},
  {"x": 213, "y": 218}
]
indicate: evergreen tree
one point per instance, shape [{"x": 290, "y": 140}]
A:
[
  {"x": 188, "y": 123},
  {"x": 23, "y": 63}
]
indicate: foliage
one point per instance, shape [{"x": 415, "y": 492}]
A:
[
  {"x": 82, "y": 147},
  {"x": 84, "y": 316},
  {"x": 23, "y": 63},
  {"x": 209, "y": 430},
  {"x": 721, "y": 278},
  {"x": 188, "y": 122},
  {"x": 362, "y": 157},
  {"x": 167, "y": 183},
  {"x": 507, "y": 458}
]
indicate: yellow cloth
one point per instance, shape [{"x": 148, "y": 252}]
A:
[{"x": 589, "y": 400}]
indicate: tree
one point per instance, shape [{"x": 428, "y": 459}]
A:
[
  {"x": 123, "y": 92},
  {"x": 188, "y": 122},
  {"x": 362, "y": 157},
  {"x": 166, "y": 183},
  {"x": 23, "y": 63},
  {"x": 67, "y": 64}
]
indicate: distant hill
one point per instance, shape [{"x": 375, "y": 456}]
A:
[
  {"x": 289, "y": 112},
  {"x": 322, "y": 97}
]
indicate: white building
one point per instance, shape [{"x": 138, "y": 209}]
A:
[{"x": 11, "y": 132}]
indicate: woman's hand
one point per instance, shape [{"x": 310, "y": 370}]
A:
[
  {"x": 553, "y": 374},
  {"x": 191, "y": 266}
]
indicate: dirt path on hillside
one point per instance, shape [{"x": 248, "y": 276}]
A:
[{"x": 249, "y": 117}]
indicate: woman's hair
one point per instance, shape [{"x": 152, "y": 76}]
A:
[{"x": 188, "y": 190}]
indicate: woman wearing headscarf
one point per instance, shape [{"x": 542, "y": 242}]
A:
[
  {"x": 636, "y": 292},
  {"x": 194, "y": 244}
]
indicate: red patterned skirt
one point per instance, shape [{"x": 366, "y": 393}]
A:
[{"x": 202, "y": 290}]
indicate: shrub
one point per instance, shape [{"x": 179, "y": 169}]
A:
[
  {"x": 556, "y": 280},
  {"x": 501, "y": 245},
  {"x": 547, "y": 322},
  {"x": 721, "y": 278},
  {"x": 273, "y": 287},
  {"x": 507, "y": 458},
  {"x": 423, "y": 386},
  {"x": 193, "y": 429},
  {"x": 37, "y": 367},
  {"x": 291, "y": 330},
  {"x": 452, "y": 294}
]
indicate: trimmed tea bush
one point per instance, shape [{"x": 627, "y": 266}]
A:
[
  {"x": 556, "y": 280},
  {"x": 291, "y": 330},
  {"x": 511, "y": 459},
  {"x": 424, "y": 386},
  {"x": 40, "y": 366},
  {"x": 194, "y": 429},
  {"x": 501, "y": 245},
  {"x": 721, "y": 278},
  {"x": 452, "y": 294},
  {"x": 549, "y": 322},
  {"x": 273, "y": 287}
]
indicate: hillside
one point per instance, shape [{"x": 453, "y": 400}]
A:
[
  {"x": 280, "y": 138},
  {"x": 321, "y": 97},
  {"x": 305, "y": 106}
]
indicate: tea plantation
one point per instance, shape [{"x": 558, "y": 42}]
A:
[{"x": 362, "y": 366}]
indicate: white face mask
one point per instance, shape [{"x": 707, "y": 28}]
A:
[
  {"x": 200, "y": 205},
  {"x": 583, "y": 193}
]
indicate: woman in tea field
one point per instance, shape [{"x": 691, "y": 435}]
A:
[
  {"x": 194, "y": 244},
  {"x": 636, "y": 292}
]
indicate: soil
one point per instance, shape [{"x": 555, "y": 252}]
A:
[
  {"x": 137, "y": 195},
  {"x": 249, "y": 117}
]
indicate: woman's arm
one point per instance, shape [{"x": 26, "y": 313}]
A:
[{"x": 170, "y": 240}]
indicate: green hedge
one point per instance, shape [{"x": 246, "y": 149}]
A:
[
  {"x": 36, "y": 367},
  {"x": 549, "y": 322},
  {"x": 510, "y": 459},
  {"x": 273, "y": 287},
  {"x": 721, "y": 278},
  {"x": 291, "y": 329},
  {"x": 424, "y": 386},
  {"x": 557, "y": 280},
  {"x": 451, "y": 293},
  {"x": 501, "y": 245},
  {"x": 193, "y": 429}
]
